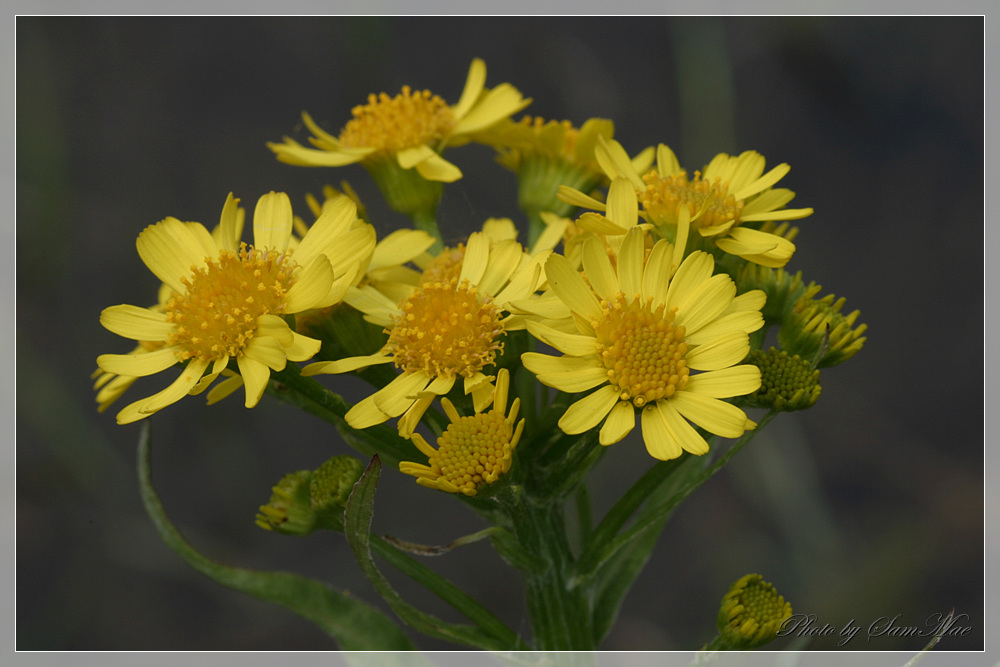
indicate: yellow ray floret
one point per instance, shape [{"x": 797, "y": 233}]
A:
[
  {"x": 412, "y": 128},
  {"x": 640, "y": 334},
  {"x": 227, "y": 300},
  {"x": 474, "y": 451}
]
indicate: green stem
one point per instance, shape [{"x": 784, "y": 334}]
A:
[
  {"x": 426, "y": 220},
  {"x": 560, "y": 613}
]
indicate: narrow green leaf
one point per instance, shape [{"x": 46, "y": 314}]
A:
[
  {"x": 360, "y": 508},
  {"x": 355, "y": 625}
]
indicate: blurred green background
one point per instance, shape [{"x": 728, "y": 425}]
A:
[{"x": 868, "y": 505}]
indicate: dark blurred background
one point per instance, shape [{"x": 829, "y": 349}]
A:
[{"x": 868, "y": 505}]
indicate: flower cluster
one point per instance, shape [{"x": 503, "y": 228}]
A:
[{"x": 637, "y": 306}]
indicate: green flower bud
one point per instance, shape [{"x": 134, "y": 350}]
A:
[
  {"x": 310, "y": 500},
  {"x": 782, "y": 289},
  {"x": 751, "y": 614},
  {"x": 787, "y": 382},
  {"x": 330, "y": 487},
  {"x": 289, "y": 511},
  {"x": 816, "y": 330}
]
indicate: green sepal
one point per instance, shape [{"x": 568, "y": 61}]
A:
[
  {"x": 355, "y": 625},
  {"x": 360, "y": 508}
]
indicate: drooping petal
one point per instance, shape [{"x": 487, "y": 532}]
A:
[
  {"x": 398, "y": 395},
  {"x": 661, "y": 443},
  {"x": 688, "y": 438},
  {"x": 364, "y": 414},
  {"x": 345, "y": 365},
  {"x": 180, "y": 387},
  {"x": 267, "y": 351}
]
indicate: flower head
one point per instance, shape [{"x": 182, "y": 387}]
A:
[
  {"x": 787, "y": 382},
  {"x": 751, "y": 613},
  {"x": 726, "y": 203},
  {"x": 816, "y": 330},
  {"x": 410, "y": 129},
  {"x": 474, "y": 451},
  {"x": 228, "y": 299},
  {"x": 636, "y": 330},
  {"x": 446, "y": 330}
]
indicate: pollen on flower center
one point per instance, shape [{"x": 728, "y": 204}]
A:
[
  {"x": 394, "y": 123},
  {"x": 445, "y": 329},
  {"x": 446, "y": 266},
  {"x": 664, "y": 195},
  {"x": 642, "y": 349},
  {"x": 474, "y": 451},
  {"x": 217, "y": 314}
]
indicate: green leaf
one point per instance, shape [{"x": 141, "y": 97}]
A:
[
  {"x": 355, "y": 625},
  {"x": 360, "y": 508}
]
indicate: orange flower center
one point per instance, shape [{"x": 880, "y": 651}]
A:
[
  {"x": 446, "y": 266},
  {"x": 664, "y": 196},
  {"x": 642, "y": 349},
  {"x": 391, "y": 124},
  {"x": 216, "y": 316},
  {"x": 446, "y": 329}
]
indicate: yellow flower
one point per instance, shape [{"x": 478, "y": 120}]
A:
[
  {"x": 636, "y": 331},
  {"x": 445, "y": 330},
  {"x": 229, "y": 299},
  {"x": 411, "y": 128},
  {"x": 473, "y": 452},
  {"x": 725, "y": 204},
  {"x": 751, "y": 613}
]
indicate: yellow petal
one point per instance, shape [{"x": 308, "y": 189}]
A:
[
  {"x": 566, "y": 282},
  {"x": 576, "y": 198},
  {"x": 763, "y": 183},
  {"x": 229, "y": 225},
  {"x": 170, "y": 251},
  {"x": 398, "y": 395},
  {"x": 474, "y": 83},
  {"x": 302, "y": 347},
  {"x": 272, "y": 222},
  {"x": 572, "y": 344},
  {"x": 311, "y": 287},
  {"x": 685, "y": 434},
  {"x": 408, "y": 158},
  {"x": 275, "y": 327},
  {"x": 504, "y": 260},
  {"x": 722, "y": 352},
  {"x": 630, "y": 260},
  {"x": 291, "y": 152},
  {"x": 599, "y": 224},
  {"x": 656, "y": 274},
  {"x": 136, "y": 323},
  {"x": 436, "y": 168},
  {"x": 255, "y": 376},
  {"x": 188, "y": 378},
  {"x": 725, "y": 383},
  {"x": 497, "y": 104},
  {"x": 706, "y": 302},
  {"x": 224, "y": 389},
  {"x": 345, "y": 365},
  {"x": 623, "y": 207},
  {"x": 588, "y": 412},
  {"x": 266, "y": 350},
  {"x": 713, "y": 415},
  {"x": 694, "y": 270},
  {"x": 783, "y": 214},
  {"x": 364, "y": 414},
  {"x": 544, "y": 364},
  {"x": 400, "y": 247},
  {"x": 620, "y": 422},
  {"x": 600, "y": 273},
  {"x": 660, "y": 441},
  {"x": 138, "y": 365},
  {"x": 574, "y": 381},
  {"x": 744, "y": 321},
  {"x": 324, "y": 236},
  {"x": 615, "y": 162},
  {"x": 666, "y": 161},
  {"x": 477, "y": 254}
]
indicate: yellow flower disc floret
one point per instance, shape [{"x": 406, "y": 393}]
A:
[
  {"x": 473, "y": 452},
  {"x": 217, "y": 314},
  {"x": 392, "y": 124},
  {"x": 642, "y": 349},
  {"x": 447, "y": 265},
  {"x": 664, "y": 195},
  {"x": 446, "y": 329}
]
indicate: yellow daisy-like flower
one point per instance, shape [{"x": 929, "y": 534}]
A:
[
  {"x": 636, "y": 333},
  {"x": 473, "y": 452},
  {"x": 725, "y": 204},
  {"x": 229, "y": 299},
  {"x": 412, "y": 128},
  {"x": 445, "y": 330}
]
